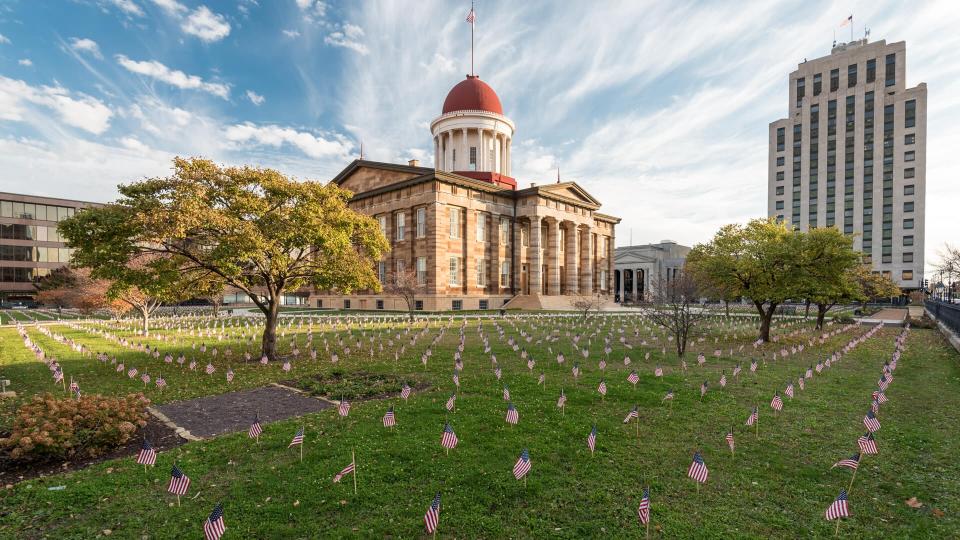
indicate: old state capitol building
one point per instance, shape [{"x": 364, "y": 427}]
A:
[{"x": 474, "y": 239}]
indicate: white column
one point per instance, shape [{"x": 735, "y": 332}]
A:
[
  {"x": 509, "y": 157},
  {"x": 500, "y": 153},
  {"x": 436, "y": 153},
  {"x": 464, "y": 162},
  {"x": 481, "y": 162}
]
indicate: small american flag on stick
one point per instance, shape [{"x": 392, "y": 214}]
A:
[
  {"x": 179, "y": 483},
  {"x": 852, "y": 462},
  {"x": 839, "y": 507},
  {"x": 867, "y": 443},
  {"x": 643, "y": 511},
  {"x": 147, "y": 455},
  {"x": 449, "y": 439},
  {"x": 698, "y": 470},
  {"x": 522, "y": 467},
  {"x": 432, "y": 518},
  {"x": 214, "y": 527}
]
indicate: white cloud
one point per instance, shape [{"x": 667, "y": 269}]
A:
[
  {"x": 133, "y": 144},
  {"x": 25, "y": 62},
  {"x": 206, "y": 25},
  {"x": 85, "y": 45},
  {"x": 255, "y": 98},
  {"x": 291, "y": 34},
  {"x": 171, "y": 6},
  {"x": 4, "y": 39},
  {"x": 348, "y": 37},
  {"x": 276, "y": 136},
  {"x": 160, "y": 72},
  {"x": 19, "y": 102},
  {"x": 128, "y": 7}
]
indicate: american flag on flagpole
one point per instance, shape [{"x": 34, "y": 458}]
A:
[
  {"x": 839, "y": 507},
  {"x": 179, "y": 482},
  {"x": 344, "y": 408},
  {"x": 346, "y": 470},
  {"x": 602, "y": 388},
  {"x": 297, "y": 438},
  {"x": 754, "y": 416},
  {"x": 852, "y": 462},
  {"x": 432, "y": 518},
  {"x": 867, "y": 443},
  {"x": 522, "y": 467},
  {"x": 389, "y": 419},
  {"x": 506, "y": 393},
  {"x": 592, "y": 439},
  {"x": 634, "y": 413},
  {"x": 561, "y": 400},
  {"x": 214, "y": 527},
  {"x": 147, "y": 455},
  {"x": 698, "y": 470},
  {"x": 643, "y": 511},
  {"x": 633, "y": 378},
  {"x": 255, "y": 428},
  {"x": 405, "y": 391},
  {"x": 449, "y": 438},
  {"x": 472, "y": 16},
  {"x": 668, "y": 396},
  {"x": 776, "y": 403},
  {"x": 871, "y": 422},
  {"x": 729, "y": 439},
  {"x": 513, "y": 417},
  {"x": 452, "y": 401}
]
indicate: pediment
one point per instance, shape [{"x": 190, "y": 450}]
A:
[
  {"x": 570, "y": 190},
  {"x": 362, "y": 176}
]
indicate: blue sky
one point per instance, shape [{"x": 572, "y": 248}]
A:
[{"x": 660, "y": 109}]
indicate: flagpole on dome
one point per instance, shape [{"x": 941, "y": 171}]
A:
[{"x": 471, "y": 18}]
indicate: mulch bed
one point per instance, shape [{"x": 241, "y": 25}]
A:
[
  {"x": 235, "y": 411},
  {"x": 160, "y": 436}
]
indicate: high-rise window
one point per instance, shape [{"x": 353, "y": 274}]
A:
[
  {"x": 908, "y": 257},
  {"x": 909, "y": 138},
  {"x": 891, "y": 70},
  {"x": 781, "y": 139},
  {"x": 831, "y": 200},
  {"x": 908, "y": 189},
  {"x": 455, "y": 220},
  {"x": 908, "y": 223},
  {"x": 851, "y": 75},
  {"x": 817, "y": 84},
  {"x": 848, "y": 163},
  {"x": 909, "y": 156},
  {"x": 834, "y": 80},
  {"x": 814, "y": 165},
  {"x": 801, "y": 90},
  {"x": 871, "y": 70},
  {"x": 908, "y": 240},
  {"x": 910, "y": 113},
  {"x": 907, "y": 207},
  {"x": 868, "y": 140},
  {"x": 779, "y": 190}
]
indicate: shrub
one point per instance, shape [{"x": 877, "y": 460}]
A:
[
  {"x": 48, "y": 427},
  {"x": 359, "y": 385}
]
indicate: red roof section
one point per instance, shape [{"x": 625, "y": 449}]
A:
[
  {"x": 472, "y": 94},
  {"x": 492, "y": 177}
]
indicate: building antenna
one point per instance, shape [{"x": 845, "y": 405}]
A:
[
  {"x": 361, "y": 148},
  {"x": 558, "y": 174}
]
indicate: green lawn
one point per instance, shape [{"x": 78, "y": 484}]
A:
[{"x": 775, "y": 486}]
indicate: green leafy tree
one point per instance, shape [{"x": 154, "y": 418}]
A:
[
  {"x": 829, "y": 264},
  {"x": 874, "y": 285},
  {"x": 257, "y": 230},
  {"x": 760, "y": 261}
]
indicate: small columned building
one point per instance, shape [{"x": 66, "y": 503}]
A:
[
  {"x": 474, "y": 238},
  {"x": 638, "y": 269}
]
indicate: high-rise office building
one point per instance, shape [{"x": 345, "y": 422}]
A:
[
  {"x": 852, "y": 155},
  {"x": 30, "y": 245}
]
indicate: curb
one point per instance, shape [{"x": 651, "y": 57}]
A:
[{"x": 169, "y": 423}]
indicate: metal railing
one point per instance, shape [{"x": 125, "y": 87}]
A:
[{"x": 948, "y": 314}]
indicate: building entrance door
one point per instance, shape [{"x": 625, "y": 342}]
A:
[{"x": 524, "y": 284}]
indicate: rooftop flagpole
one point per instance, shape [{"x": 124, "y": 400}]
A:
[{"x": 471, "y": 18}]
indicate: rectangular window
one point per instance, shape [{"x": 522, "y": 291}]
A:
[
  {"x": 382, "y": 271},
  {"x": 454, "y": 270},
  {"x": 909, "y": 173},
  {"x": 418, "y": 305},
  {"x": 421, "y": 222},
  {"x": 455, "y": 219},
  {"x": 910, "y": 114},
  {"x": 6, "y": 209},
  {"x": 484, "y": 304},
  {"x": 780, "y": 176},
  {"x": 908, "y": 189},
  {"x": 909, "y": 138},
  {"x": 779, "y": 190},
  {"x": 871, "y": 70},
  {"x": 908, "y": 206},
  {"x": 481, "y": 272},
  {"x": 801, "y": 90},
  {"x": 834, "y": 80},
  {"x": 909, "y": 155},
  {"x": 457, "y": 305},
  {"x": 383, "y": 225},
  {"x": 505, "y": 274},
  {"x": 603, "y": 280},
  {"x": 908, "y": 223},
  {"x": 504, "y": 231},
  {"x": 401, "y": 225},
  {"x": 781, "y": 139},
  {"x": 401, "y": 266},
  {"x": 817, "y": 84},
  {"x": 908, "y": 257},
  {"x": 346, "y": 304},
  {"x": 891, "y": 70},
  {"x": 379, "y": 304},
  {"x": 473, "y": 158},
  {"x": 851, "y": 75},
  {"x": 481, "y": 227},
  {"x": 779, "y": 205},
  {"x": 906, "y": 275},
  {"x": 421, "y": 271},
  {"x": 908, "y": 240}
]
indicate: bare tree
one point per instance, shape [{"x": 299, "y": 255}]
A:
[
  {"x": 405, "y": 284},
  {"x": 583, "y": 303},
  {"x": 673, "y": 304}
]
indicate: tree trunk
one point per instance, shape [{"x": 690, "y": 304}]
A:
[
  {"x": 726, "y": 307},
  {"x": 766, "y": 315},
  {"x": 806, "y": 311},
  {"x": 216, "y": 309},
  {"x": 145, "y": 316},
  {"x": 822, "y": 310},
  {"x": 272, "y": 314}
]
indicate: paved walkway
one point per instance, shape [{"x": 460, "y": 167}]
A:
[
  {"x": 235, "y": 411},
  {"x": 890, "y": 314}
]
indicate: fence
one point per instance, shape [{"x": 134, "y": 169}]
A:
[{"x": 948, "y": 314}]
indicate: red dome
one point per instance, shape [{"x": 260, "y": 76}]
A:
[{"x": 472, "y": 95}]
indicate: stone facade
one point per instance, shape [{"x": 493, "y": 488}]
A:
[
  {"x": 638, "y": 269},
  {"x": 476, "y": 243}
]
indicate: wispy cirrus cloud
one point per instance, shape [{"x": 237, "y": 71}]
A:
[{"x": 174, "y": 77}]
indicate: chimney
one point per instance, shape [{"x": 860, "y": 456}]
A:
[
  {"x": 533, "y": 184},
  {"x": 414, "y": 163}
]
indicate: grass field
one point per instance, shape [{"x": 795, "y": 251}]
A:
[{"x": 777, "y": 485}]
